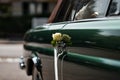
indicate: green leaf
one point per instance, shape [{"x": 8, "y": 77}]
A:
[{"x": 53, "y": 42}]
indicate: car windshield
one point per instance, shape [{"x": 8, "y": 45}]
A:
[{"x": 84, "y": 9}]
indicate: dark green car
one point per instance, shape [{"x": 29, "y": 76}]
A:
[{"x": 94, "y": 28}]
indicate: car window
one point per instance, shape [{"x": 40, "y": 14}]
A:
[
  {"x": 84, "y": 9},
  {"x": 114, "y": 8},
  {"x": 70, "y": 10}
]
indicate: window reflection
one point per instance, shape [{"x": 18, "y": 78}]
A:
[
  {"x": 114, "y": 8},
  {"x": 84, "y": 9}
]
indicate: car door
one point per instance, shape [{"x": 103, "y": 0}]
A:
[
  {"x": 88, "y": 60},
  {"x": 95, "y": 52}
]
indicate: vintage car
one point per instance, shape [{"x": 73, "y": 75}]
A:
[{"x": 94, "y": 30}]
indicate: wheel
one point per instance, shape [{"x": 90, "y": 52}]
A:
[{"x": 36, "y": 75}]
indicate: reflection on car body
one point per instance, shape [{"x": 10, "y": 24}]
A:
[{"x": 94, "y": 26}]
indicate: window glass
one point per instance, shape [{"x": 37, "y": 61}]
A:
[
  {"x": 114, "y": 8},
  {"x": 77, "y": 5},
  {"x": 84, "y": 9}
]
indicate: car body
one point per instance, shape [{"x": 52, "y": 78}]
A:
[{"x": 94, "y": 29}]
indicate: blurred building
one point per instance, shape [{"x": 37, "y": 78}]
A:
[
  {"x": 18, "y": 16},
  {"x": 26, "y": 7}
]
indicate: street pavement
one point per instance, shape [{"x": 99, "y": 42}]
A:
[{"x": 9, "y": 58}]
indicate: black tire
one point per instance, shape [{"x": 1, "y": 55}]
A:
[{"x": 36, "y": 75}]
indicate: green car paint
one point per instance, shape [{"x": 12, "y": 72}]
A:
[
  {"x": 90, "y": 61},
  {"x": 102, "y": 34},
  {"x": 95, "y": 33}
]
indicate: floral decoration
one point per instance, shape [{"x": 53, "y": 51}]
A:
[{"x": 61, "y": 38}]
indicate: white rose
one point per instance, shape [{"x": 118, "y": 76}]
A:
[{"x": 57, "y": 36}]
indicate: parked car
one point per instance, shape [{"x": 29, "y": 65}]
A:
[{"x": 94, "y": 28}]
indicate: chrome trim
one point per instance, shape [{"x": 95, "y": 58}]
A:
[{"x": 22, "y": 63}]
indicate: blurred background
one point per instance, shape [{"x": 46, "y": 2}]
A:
[{"x": 16, "y": 17}]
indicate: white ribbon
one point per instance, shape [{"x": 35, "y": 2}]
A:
[{"x": 56, "y": 63}]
